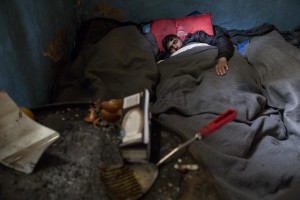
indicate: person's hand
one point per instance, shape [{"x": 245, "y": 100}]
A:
[{"x": 222, "y": 66}]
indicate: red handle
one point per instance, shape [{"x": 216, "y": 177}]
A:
[{"x": 225, "y": 117}]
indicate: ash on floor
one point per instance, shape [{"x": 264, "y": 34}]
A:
[{"x": 70, "y": 168}]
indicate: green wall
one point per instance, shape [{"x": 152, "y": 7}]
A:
[
  {"x": 233, "y": 14},
  {"x": 27, "y": 26}
]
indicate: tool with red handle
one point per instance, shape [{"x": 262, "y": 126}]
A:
[
  {"x": 133, "y": 180},
  {"x": 224, "y": 118}
]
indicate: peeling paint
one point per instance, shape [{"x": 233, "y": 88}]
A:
[
  {"x": 107, "y": 10},
  {"x": 56, "y": 47}
]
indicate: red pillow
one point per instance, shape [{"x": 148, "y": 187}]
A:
[{"x": 180, "y": 26}]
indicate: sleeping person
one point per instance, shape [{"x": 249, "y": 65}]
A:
[{"x": 173, "y": 43}]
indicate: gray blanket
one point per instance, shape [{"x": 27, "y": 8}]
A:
[
  {"x": 254, "y": 157},
  {"x": 257, "y": 155},
  {"x": 120, "y": 64}
]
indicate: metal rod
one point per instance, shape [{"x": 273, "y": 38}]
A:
[{"x": 181, "y": 146}]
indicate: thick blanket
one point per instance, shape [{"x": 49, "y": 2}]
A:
[
  {"x": 257, "y": 155},
  {"x": 120, "y": 64},
  {"x": 278, "y": 64},
  {"x": 254, "y": 157}
]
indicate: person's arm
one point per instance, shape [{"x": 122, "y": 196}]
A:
[
  {"x": 221, "y": 40},
  {"x": 226, "y": 50}
]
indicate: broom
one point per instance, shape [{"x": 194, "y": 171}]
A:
[{"x": 132, "y": 181}]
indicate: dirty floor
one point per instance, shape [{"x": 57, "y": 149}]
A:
[{"x": 70, "y": 168}]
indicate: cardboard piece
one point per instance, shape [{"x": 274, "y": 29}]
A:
[{"x": 22, "y": 140}]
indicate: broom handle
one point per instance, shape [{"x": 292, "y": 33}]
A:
[{"x": 225, "y": 117}]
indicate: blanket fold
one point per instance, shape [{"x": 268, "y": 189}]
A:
[{"x": 255, "y": 156}]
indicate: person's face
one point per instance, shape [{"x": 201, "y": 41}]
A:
[{"x": 174, "y": 45}]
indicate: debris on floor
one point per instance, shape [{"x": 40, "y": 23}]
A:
[{"x": 70, "y": 168}]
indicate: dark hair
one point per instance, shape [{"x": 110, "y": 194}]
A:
[{"x": 167, "y": 39}]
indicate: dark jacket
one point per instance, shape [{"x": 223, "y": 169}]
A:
[{"x": 220, "y": 39}]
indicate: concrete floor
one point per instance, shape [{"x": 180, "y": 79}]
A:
[{"x": 70, "y": 168}]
